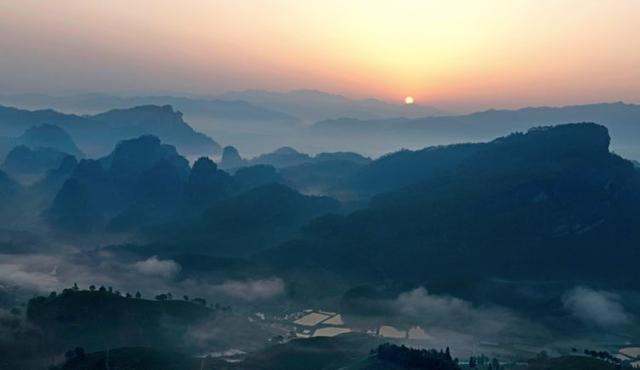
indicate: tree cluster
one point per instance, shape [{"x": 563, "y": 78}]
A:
[
  {"x": 483, "y": 362},
  {"x": 411, "y": 358},
  {"x": 603, "y": 355}
]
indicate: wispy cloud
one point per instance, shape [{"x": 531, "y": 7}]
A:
[
  {"x": 251, "y": 290},
  {"x": 153, "y": 266},
  {"x": 596, "y": 307},
  {"x": 456, "y": 314}
]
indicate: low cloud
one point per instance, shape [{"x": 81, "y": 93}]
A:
[
  {"x": 596, "y": 307},
  {"x": 36, "y": 272},
  {"x": 153, "y": 266},
  {"x": 454, "y": 313},
  {"x": 40, "y": 273},
  {"x": 252, "y": 290}
]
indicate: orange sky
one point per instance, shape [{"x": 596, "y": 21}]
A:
[{"x": 458, "y": 55}]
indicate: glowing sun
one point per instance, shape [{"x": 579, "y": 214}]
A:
[{"x": 408, "y": 100}]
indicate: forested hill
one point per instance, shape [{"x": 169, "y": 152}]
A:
[{"x": 551, "y": 202}]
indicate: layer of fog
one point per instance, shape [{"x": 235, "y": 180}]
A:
[
  {"x": 27, "y": 274},
  {"x": 597, "y": 307},
  {"x": 589, "y": 319}
]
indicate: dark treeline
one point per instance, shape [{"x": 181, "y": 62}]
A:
[{"x": 410, "y": 358}]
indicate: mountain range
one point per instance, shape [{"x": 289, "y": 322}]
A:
[
  {"x": 535, "y": 205},
  {"x": 96, "y": 135},
  {"x": 313, "y": 105},
  {"x": 249, "y": 105},
  {"x": 621, "y": 119},
  {"x": 498, "y": 230}
]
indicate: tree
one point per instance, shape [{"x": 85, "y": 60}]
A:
[
  {"x": 75, "y": 287},
  {"x": 472, "y": 362},
  {"x": 495, "y": 364},
  {"x": 92, "y": 288},
  {"x": 161, "y": 297},
  {"x": 185, "y": 297},
  {"x": 102, "y": 289},
  {"x": 128, "y": 295},
  {"x": 138, "y": 295}
]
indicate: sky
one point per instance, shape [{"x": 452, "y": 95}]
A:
[{"x": 456, "y": 55}]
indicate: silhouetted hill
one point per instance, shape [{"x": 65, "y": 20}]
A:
[
  {"x": 161, "y": 121},
  {"x": 14, "y": 121},
  {"x": 342, "y": 156},
  {"x": 49, "y": 136},
  {"x": 6, "y": 144},
  {"x": 322, "y": 174},
  {"x": 250, "y": 177},
  {"x": 396, "y": 170},
  {"x": 95, "y": 319},
  {"x": 132, "y": 158},
  {"x": 98, "y": 134},
  {"x": 85, "y": 200},
  {"x": 144, "y": 182},
  {"x": 282, "y": 157},
  {"x": 392, "y": 357},
  {"x": 207, "y": 184},
  {"x": 242, "y": 224},
  {"x": 216, "y": 109},
  {"x": 327, "y": 177},
  {"x": 22, "y": 160},
  {"x": 288, "y": 157},
  {"x": 538, "y": 205},
  {"x": 231, "y": 158},
  {"x": 53, "y": 180},
  {"x": 621, "y": 119},
  {"x": 141, "y": 177},
  {"x": 7, "y": 186}
]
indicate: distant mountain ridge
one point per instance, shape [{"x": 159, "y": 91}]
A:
[
  {"x": 38, "y": 149},
  {"x": 622, "y": 120},
  {"x": 258, "y": 105},
  {"x": 98, "y": 134},
  {"x": 24, "y": 160},
  {"x": 314, "y": 105},
  {"x": 285, "y": 156},
  {"x": 50, "y": 136},
  {"x": 192, "y": 106}
]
